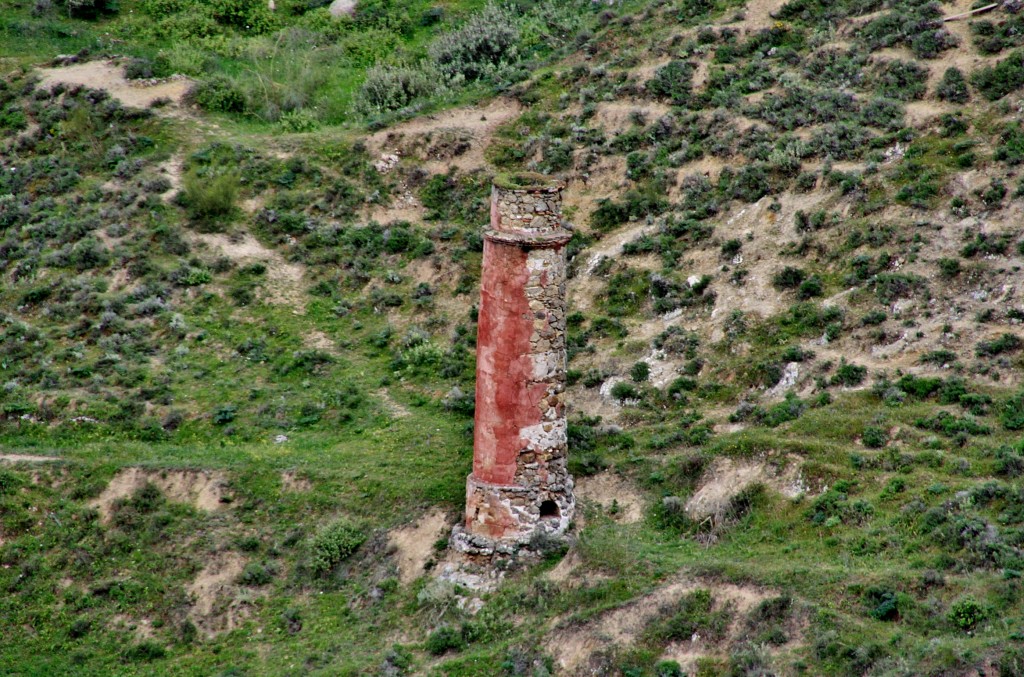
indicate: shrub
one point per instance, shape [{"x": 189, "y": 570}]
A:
[
  {"x": 479, "y": 48},
  {"x": 334, "y": 544},
  {"x": 640, "y": 372},
  {"x": 903, "y": 80},
  {"x": 137, "y": 69},
  {"x": 949, "y": 268},
  {"x": 810, "y": 288},
  {"x": 209, "y": 198},
  {"x": 9, "y": 482},
  {"x": 144, "y": 651},
  {"x": 953, "y": 426},
  {"x": 953, "y": 87},
  {"x": 91, "y": 8},
  {"x": 788, "y": 278},
  {"x": 672, "y": 81},
  {"x": 387, "y": 88},
  {"x": 966, "y": 612},
  {"x": 1011, "y": 145},
  {"x": 883, "y": 604},
  {"x": 1009, "y": 462},
  {"x": 840, "y": 141},
  {"x": 1012, "y": 413},
  {"x": 257, "y": 574},
  {"x": 849, "y": 374},
  {"x": 874, "y": 437},
  {"x": 445, "y": 639},
  {"x": 225, "y": 414},
  {"x": 995, "y": 82},
  {"x": 1003, "y": 344},
  {"x": 694, "y": 613},
  {"x": 624, "y": 390},
  {"x": 217, "y": 94}
]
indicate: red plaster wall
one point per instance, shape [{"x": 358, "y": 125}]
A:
[{"x": 506, "y": 399}]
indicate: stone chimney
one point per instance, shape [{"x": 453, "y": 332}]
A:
[{"x": 520, "y": 483}]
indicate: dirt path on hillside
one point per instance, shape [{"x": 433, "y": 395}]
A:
[{"x": 28, "y": 458}]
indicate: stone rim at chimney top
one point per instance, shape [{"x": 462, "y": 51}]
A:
[{"x": 526, "y": 209}]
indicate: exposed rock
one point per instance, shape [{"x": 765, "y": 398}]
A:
[{"x": 340, "y": 8}]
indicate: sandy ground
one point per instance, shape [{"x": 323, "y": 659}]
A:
[
  {"x": 284, "y": 279},
  {"x": 109, "y": 75},
  {"x": 573, "y": 646},
  {"x": 28, "y": 458},
  {"x": 608, "y": 489},
  {"x": 215, "y": 603},
  {"x": 203, "y": 489},
  {"x": 414, "y": 544}
]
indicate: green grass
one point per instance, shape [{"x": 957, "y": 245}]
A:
[{"x": 197, "y": 370}]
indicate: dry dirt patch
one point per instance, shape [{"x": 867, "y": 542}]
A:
[
  {"x": 414, "y": 544},
  {"x": 215, "y": 607},
  {"x": 27, "y": 458},
  {"x": 284, "y": 279},
  {"x": 572, "y": 647},
  {"x": 728, "y": 477},
  {"x": 476, "y": 123},
  {"x": 202, "y": 489},
  {"x": 292, "y": 482},
  {"x": 109, "y": 76},
  {"x": 609, "y": 490},
  {"x": 615, "y": 117}
]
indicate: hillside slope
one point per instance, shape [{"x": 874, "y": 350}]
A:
[{"x": 240, "y": 249}]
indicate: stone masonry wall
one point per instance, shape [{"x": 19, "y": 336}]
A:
[{"x": 520, "y": 482}]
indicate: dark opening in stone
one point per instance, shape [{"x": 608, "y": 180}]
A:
[{"x": 549, "y": 509}]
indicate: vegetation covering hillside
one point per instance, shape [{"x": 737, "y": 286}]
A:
[{"x": 237, "y": 334}]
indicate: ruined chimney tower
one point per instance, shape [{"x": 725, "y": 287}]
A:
[{"x": 520, "y": 483}]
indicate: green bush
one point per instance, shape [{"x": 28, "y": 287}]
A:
[
  {"x": 788, "y": 278},
  {"x": 9, "y": 482},
  {"x": 849, "y": 374},
  {"x": 949, "y": 268},
  {"x": 810, "y": 288},
  {"x": 334, "y": 544},
  {"x": 624, "y": 390},
  {"x": 903, "y": 80},
  {"x": 640, "y": 372},
  {"x": 138, "y": 69},
  {"x": 445, "y": 639},
  {"x": 883, "y": 604},
  {"x": 209, "y": 198},
  {"x": 1012, "y": 413},
  {"x": 1005, "y": 343},
  {"x": 257, "y": 574},
  {"x": 995, "y": 82},
  {"x": 387, "y": 88},
  {"x": 694, "y": 613},
  {"x": 953, "y": 87},
  {"x": 673, "y": 81},
  {"x": 144, "y": 651},
  {"x": 1011, "y": 145},
  {"x": 88, "y": 9},
  {"x": 485, "y": 44},
  {"x": 966, "y": 612},
  {"x": 218, "y": 94},
  {"x": 874, "y": 437}
]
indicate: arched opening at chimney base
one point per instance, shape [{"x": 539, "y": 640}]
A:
[{"x": 549, "y": 509}]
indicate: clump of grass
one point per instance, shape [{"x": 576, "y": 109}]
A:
[{"x": 209, "y": 200}]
